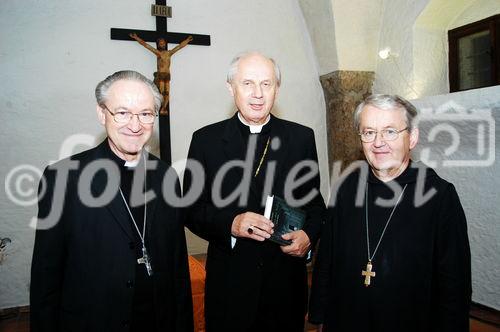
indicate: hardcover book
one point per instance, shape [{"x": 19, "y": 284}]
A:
[{"x": 286, "y": 219}]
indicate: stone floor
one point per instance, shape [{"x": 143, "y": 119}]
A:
[
  {"x": 20, "y": 323},
  {"x": 482, "y": 319}
]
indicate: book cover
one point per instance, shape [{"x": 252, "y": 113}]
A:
[{"x": 286, "y": 219}]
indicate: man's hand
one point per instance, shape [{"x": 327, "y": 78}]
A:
[
  {"x": 300, "y": 243},
  {"x": 252, "y": 225}
]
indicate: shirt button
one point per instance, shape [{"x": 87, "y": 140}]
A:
[{"x": 130, "y": 284}]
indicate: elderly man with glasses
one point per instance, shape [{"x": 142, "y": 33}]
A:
[
  {"x": 110, "y": 252},
  {"x": 394, "y": 254}
]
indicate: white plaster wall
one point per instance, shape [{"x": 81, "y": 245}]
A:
[
  {"x": 395, "y": 74},
  {"x": 476, "y": 11},
  {"x": 319, "y": 18},
  {"x": 344, "y": 33},
  {"x": 357, "y": 27},
  {"x": 430, "y": 56},
  {"x": 53, "y": 53},
  {"x": 430, "y": 53},
  {"x": 439, "y": 13},
  {"x": 417, "y": 32},
  {"x": 476, "y": 186}
]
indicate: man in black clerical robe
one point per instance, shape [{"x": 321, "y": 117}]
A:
[
  {"x": 253, "y": 284},
  {"x": 394, "y": 254},
  {"x": 110, "y": 252}
]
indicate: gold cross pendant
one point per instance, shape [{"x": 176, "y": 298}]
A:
[{"x": 368, "y": 273}]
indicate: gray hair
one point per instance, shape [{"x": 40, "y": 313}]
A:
[
  {"x": 233, "y": 67},
  {"x": 101, "y": 90},
  {"x": 387, "y": 103}
]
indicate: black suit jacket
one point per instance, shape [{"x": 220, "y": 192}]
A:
[
  {"x": 83, "y": 269},
  {"x": 238, "y": 278}
]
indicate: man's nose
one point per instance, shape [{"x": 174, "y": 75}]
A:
[
  {"x": 257, "y": 91},
  {"x": 378, "y": 141},
  {"x": 134, "y": 124}
]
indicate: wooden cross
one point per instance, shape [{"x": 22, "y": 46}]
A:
[
  {"x": 368, "y": 273},
  {"x": 161, "y": 11}
]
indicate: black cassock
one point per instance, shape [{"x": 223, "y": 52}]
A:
[
  {"x": 422, "y": 265},
  {"x": 253, "y": 286},
  {"x": 85, "y": 275}
]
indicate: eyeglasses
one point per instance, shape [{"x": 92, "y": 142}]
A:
[
  {"x": 146, "y": 117},
  {"x": 389, "y": 134}
]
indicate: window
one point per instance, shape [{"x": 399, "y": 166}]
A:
[{"x": 474, "y": 55}]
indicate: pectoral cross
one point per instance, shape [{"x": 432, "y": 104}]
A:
[
  {"x": 145, "y": 260},
  {"x": 368, "y": 273}
]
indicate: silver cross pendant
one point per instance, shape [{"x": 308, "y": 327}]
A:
[{"x": 145, "y": 260}]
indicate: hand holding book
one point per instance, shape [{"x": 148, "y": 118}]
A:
[
  {"x": 300, "y": 243},
  {"x": 285, "y": 218},
  {"x": 281, "y": 224},
  {"x": 252, "y": 225}
]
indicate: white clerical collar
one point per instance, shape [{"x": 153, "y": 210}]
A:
[
  {"x": 254, "y": 129},
  {"x": 133, "y": 163}
]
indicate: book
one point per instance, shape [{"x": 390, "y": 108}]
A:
[{"x": 285, "y": 218}]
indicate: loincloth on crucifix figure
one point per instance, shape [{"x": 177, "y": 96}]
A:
[
  {"x": 162, "y": 81},
  {"x": 162, "y": 75}
]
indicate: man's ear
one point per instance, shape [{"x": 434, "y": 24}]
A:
[
  {"x": 413, "y": 138},
  {"x": 101, "y": 116},
  {"x": 230, "y": 88}
]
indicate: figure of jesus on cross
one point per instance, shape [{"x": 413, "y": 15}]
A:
[{"x": 162, "y": 75}]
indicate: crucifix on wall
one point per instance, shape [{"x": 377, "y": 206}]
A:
[{"x": 162, "y": 76}]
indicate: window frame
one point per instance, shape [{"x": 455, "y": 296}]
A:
[{"x": 492, "y": 24}]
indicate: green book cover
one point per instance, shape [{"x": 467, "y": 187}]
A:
[{"x": 285, "y": 218}]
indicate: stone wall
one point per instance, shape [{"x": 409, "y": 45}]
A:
[{"x": 343, "y": 91}]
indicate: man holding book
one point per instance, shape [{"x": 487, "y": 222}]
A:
[{"x": 254, "y": 284}]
